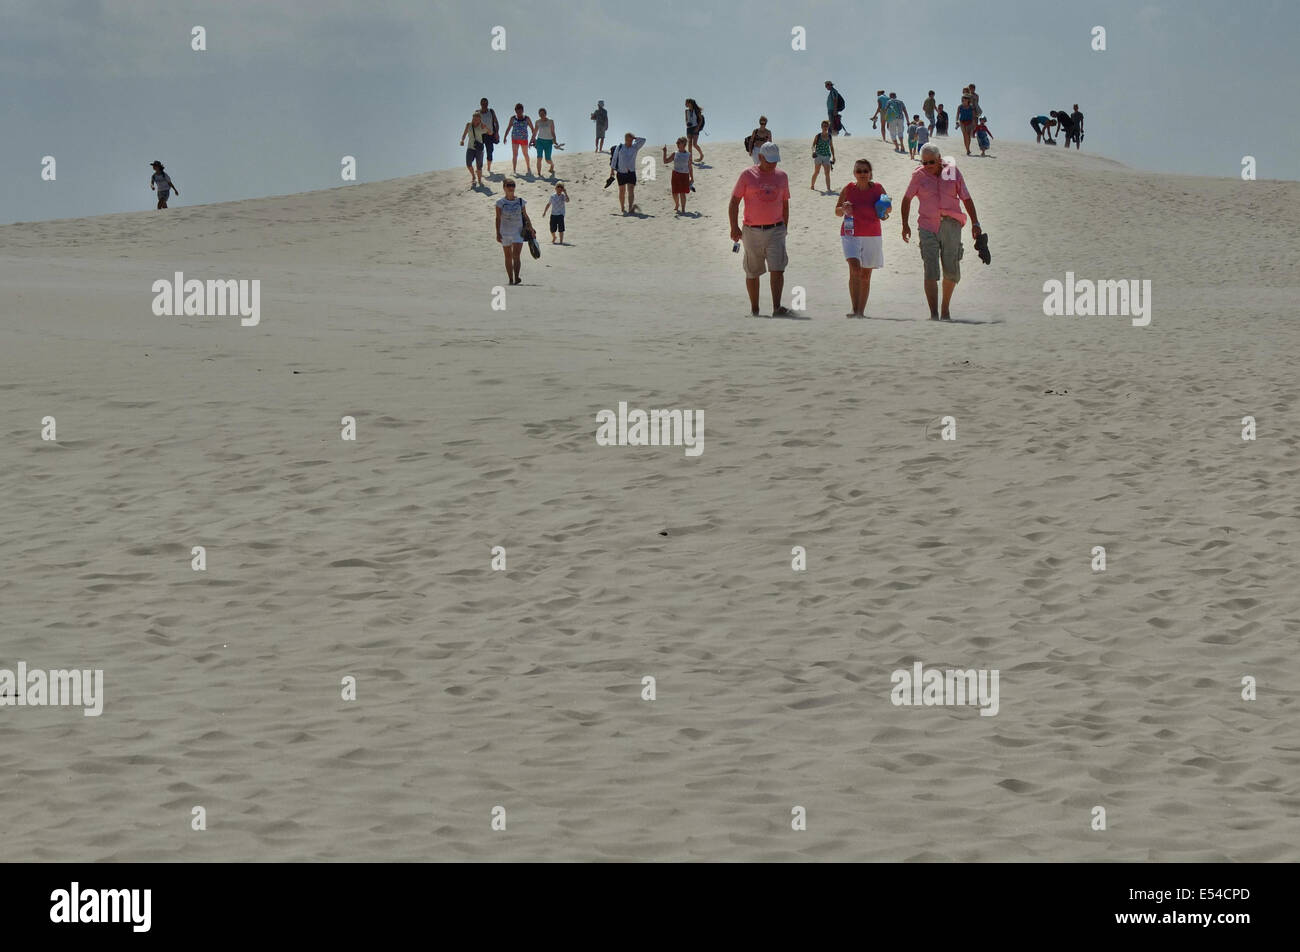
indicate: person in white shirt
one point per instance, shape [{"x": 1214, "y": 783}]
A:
[
  {"x": 683, "y": 178},
  {"x": 556, "y": 206},
  {"x": 544, "y": 140},
  {"x": 512, "y": 223},
  {"x": 623, "y": 164},
  {"x": 162, "y": 183}
]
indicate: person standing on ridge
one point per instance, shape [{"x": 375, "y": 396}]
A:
[
  {"x": 601, "y": 118},
  {"x": 835, "y": 109}
]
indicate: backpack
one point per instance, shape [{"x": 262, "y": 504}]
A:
[
  {"x": 839, "y": 101},
  {"x": 749, "y": 145},
  {"x": 700, "y": 127},
  {"x": 895, "y": 110},
  {"x": 496, "y": 128}
]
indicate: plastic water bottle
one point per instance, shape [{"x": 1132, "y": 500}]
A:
[
  {"x": 848, "y": 223},
  {"x": 735, "y": 246}
]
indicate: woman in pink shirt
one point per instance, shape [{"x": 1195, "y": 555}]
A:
[{"x": 860, "y": 233}]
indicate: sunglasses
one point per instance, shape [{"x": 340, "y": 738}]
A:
[
  {"x": 509, "y": 186},
  {"x": 931, "y": 162},
  {"x": 862, "y": 171}
]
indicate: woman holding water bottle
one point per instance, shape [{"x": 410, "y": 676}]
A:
[{"x": 863, "y": 205}]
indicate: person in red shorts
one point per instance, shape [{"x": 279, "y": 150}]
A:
[{"x": 683, "y": 173}]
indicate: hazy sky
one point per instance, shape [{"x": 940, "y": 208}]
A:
[{"x": 286, "y": 88}]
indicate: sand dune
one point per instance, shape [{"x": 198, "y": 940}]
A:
[{"x": 476, "y": 428}]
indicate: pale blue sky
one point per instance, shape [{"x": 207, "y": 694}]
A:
[{"x": 286, "y": 89}]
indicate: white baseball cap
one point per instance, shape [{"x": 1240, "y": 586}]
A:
[{"x": 768, "y": 152}]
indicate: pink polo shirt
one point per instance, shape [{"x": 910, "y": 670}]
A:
[
  {"x": 764, "y": 195},
  {"x": 940, "y": 197}
]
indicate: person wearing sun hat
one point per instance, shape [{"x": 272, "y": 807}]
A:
[
  {"x": 162, "y": 183},
  {"x": 765, "y": 191}
]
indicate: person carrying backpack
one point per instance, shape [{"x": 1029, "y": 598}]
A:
[
  {"x": 694, "y": 126},
  {"x": 896, "y": 120},
  {"x": 834, "y": 108}
]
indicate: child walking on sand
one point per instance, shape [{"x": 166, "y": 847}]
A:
[
  {"x": 912, "y": 135},
  {"x": 556, "y": 205},
  {"x": 683, "y": 173},
  {"x": 982, "y": 134},
  {"x": 162, "y": 183}
]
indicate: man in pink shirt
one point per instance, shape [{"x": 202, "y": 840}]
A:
[
  {"x": 765, "y": 190},
  {"x": 942, "y": 192}
]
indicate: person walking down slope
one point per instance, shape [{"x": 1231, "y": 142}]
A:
[
  {"x": 683, "y": 177},
  {"x": 511, "y": 224},
  {"x": 941, "y": 122},
  {"x": 602, "y": 123},
  {"x": 556, "y": 205},
  {"x": 982, "y": 134},
  {"x": 162, "y": 183},
  {"x": 694, "y": 126},
  {"x": 623, "y": 164},
  {"x": 835, "y": 109},
  {"x": 521, "y": 127},
  {"x": 882, "y": 101},
  {"x": 940, "y": 221},
  {"x": 896, "y": 112},
  {"x": 860, "y": 233},
  {"x": 966, "y": 119},
  {"x": 928, "y": 108},
  {"x": 544, "y": 140},
  {"x": 765, "y": 191},
  {"x": 477, "y": 134},
  {"x": 492, "y": 129},
  {"x": 823, "y": 155}
]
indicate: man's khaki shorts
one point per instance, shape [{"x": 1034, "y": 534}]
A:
[
  {"x": 942, "y": 248},
  {"x": 764, "y": 249}
]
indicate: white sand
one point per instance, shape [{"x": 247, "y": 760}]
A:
[{"x": 476, "y": 428}]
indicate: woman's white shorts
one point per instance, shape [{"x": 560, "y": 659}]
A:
[{"x": 868, "y": 249}]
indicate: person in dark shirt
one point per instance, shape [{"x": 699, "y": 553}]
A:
[
  {"x": 941, "y": 122},
  {"x": 1077, "y": 117},
  {"x": 1065, "y": 124}
]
